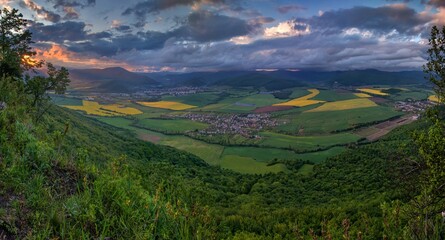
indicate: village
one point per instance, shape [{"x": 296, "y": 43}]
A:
[{"x": 246, "y": 125}]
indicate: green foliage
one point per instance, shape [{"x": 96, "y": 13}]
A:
[{"x": 435, "y": 67}]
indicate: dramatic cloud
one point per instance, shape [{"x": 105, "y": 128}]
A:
[
  {"x": 287, "y": 29},
  {"x": 142, "y": 9},
  {"x": 72, "y": 3},
  {"x": 382, "y": 19},
  {"x": 436, "y": 3},
  {"x": 290, "y": 8},
  {"x": 42, "y": 13},
  {"x": 205, "y": 26},
  {"x": 70, "y": 13},
  {"x": 65, "y": 31},
  {"x": 218, "y": 35}
]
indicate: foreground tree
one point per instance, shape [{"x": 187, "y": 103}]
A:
[
  {"x": 427, "y": 208},
  {"x": 16, "y": 58}
]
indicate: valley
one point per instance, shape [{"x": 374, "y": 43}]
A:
[{"x": 254, "y": 130}]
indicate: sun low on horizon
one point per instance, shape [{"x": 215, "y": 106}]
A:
[{"x": 220, "y": 35}]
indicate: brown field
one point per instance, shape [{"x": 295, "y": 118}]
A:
[
  {"x": 376, "y": 132},
  {"x": 378, "y": 100},
  {"x": 267, "y": 109}
]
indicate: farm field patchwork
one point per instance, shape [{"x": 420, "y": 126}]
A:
[
  {"x": 344, "y": 105},
  {"x": 167, "y": 105},
  {"x": 312, "y": 126},
  {"x": 94, "y": 108},
  {"x": 302, "y": 101}
]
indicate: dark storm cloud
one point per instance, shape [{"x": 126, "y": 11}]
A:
[
  {"x": 290, "y": 8},
  {"x": 201, "y": 27},
  {"x": 72, "y": 3},
  {"x": 142, "y": 9},
  {"x": 436, "y": 3},
  {"x": 41, "y": 11},
  {"x": 381, "y": 19},
  {"x": 65, "y": 31},
  {"x": 123, "y": 28},
  {"x": 205, "y": 26}
]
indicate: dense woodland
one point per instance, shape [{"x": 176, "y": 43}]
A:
[{"x": 65, "y": 176}]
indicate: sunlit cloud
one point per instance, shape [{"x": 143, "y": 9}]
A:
[
  {"x": 287, "y": 29},
  {"x": 59, "y": 55}
]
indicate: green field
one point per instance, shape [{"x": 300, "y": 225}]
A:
[
  {"x": 260, "y": 100},
  {"x": 327, "y": 122},
  {"x": 332, "y": 96},
  {"x": 170, "y": 125},
  {"x": 62, "y": 100},
  {"x": 261, "y": 154},
  {"x": 306, "y": 143},
  {"x": 198, "y": 99},
  {"x": 320, "y": 156},
  {"x": 249, "y": 165}
]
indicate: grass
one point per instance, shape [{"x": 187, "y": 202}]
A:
[
  {"x": 260, "y": 154},
  {"x": 302, "y": 101},
  {"x": 345, "y": 105},
  {"x": 306, "y": 169},
  {"x": 94, "y": 108},
  {"x": 171, "y": 125},
  {"x": 249, "y": 165},
  {"x": 327, "y": 122},
  {"x": 332, "y": 95},
  {"x": 321, "y": 156},
  {"x": 167, "y": 105},
  {"x": 306, "y": 143},
  {"x": 373, "y": 91},
  {"x": 260, "y": 100},
  {"x": 414, "y": 95},
  {"x": 198, "y": 99}
]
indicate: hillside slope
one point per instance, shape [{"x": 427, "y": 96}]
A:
[{"x": 74, "y": 176}]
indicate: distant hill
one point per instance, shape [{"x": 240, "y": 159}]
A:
[
  {"x": 258, "y": 80},
  {"x": 284, "y": 79},
  {"x": 114, "y": 79}
]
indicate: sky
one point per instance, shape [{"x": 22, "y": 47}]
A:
[{"x": 221, "y": 35}]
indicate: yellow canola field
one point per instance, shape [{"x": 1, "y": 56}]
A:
[
  {"x": 344, "y": 105},
  {"x": 362, "y": 95},
  {"x": 433, "y": 98},
  {"x": 302, "y": 101},
  {"x": 167, "y": 105},
  {"x": 374, "y": 91},
  {"x": 94, "y": 108}
]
